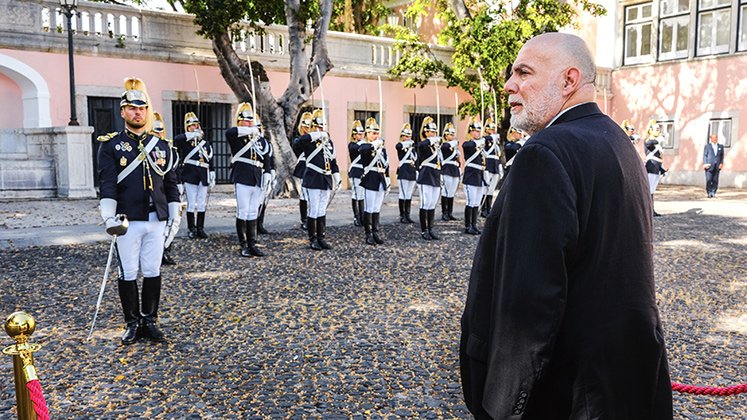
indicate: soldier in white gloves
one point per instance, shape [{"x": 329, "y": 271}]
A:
[
  {"x": 375, "y": 180},
  {"x": 136, "y": 178},
  {"x": 321, "y": 177}
]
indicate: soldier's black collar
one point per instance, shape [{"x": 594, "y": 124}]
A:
[{"x": 136, "y": 137}]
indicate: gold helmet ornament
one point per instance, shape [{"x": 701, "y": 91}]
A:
[
  {"x": 406, "y": 131},
  {"x": 653, "y": 128},
  {"x": 371, "y": 125},
  {"x": 159, "y": 127},
  {"x": 490, "y": 125},
  {"x": 357, "y": 129},
  {"x": 244, "y": 112},
  {"x": 317, "y": 119},
  {"x": 449, "y": 129},
  {"x": 304, "y": 122},
  {"x": 627, "y": 126},
  {"x": 190, "y": 118},
  {"x": 136, "y": 94},
  {"x": 474, "y": 124},
  {"x": 427, "y": 125}
]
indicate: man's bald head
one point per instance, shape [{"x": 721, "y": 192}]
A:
[{"x": 569, "y": 50}]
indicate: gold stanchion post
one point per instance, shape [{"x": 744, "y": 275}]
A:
[{"x": 20, "y": 326}]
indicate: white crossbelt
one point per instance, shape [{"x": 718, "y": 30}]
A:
[
  {"x": 407, "y": 158},
  {"x": 374, "y": 161},
  {"x": 652, "y": 154},
  {"x": 203, "y": 152},
  {"x": 237, "y": 157},
  {"x": 473, "y": 157},
  {"x": 429, "y": 161},
  {"x": 138, "y": 161},
  {"x": 327, "y": 156}
]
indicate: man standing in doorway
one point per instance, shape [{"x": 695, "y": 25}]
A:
[{"x": 713, "y": 161}]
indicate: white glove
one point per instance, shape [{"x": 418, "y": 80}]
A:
[
  {"x": 337, "y": 181},
  {"x": 266, "y": 180},
  {"x": 407, "y": 143},
  {"x": 388, "y": 183},
  {"x": 317, "y": 135},
  {"x": 191, "y": 135},
  {"x": 377, "y": 143},
  {"x": 108, "y": 207},
  {"x": 174, "y": 209},
  {"x": 480, "y": 142},
  {"x": 211, "y": 179},
  {"x": 434, "y": 140},
  {"x": 248, "y": 131}
]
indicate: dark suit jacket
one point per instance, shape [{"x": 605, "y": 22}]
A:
[
  {"x": 561, "y": 318},
  {"x": 714, "y": 159}
]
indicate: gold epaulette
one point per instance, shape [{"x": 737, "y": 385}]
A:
[{"x": 107, "y": 137}]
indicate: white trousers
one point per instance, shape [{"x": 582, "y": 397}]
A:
[
  {"x": 474, "y": 195},
  {"x": 248, "y": 200},
  {"x": 451, "y": 183},
  {"x": 142, "y": 247},
  {"x": 357, "y": 190},
  {"x": 428, "y": 196},
  {"x": 406, "y": 188},
  {"x": 318, "y": 200},
  {"x": 196, "y": 197},
  {"x": 490, "y": 179},
  {"x": 653, "y": 182},
  {"x": 373, "y": 200}
]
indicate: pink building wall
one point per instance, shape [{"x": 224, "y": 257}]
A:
[{"x": 10, "y": 100}]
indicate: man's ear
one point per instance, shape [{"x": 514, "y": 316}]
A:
[{"x": 572, "y": 79}]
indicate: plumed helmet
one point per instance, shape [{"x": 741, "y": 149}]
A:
[
  {"x": 305, "y": 121},
  {"x": 490, "y": 125},
  {"x": 190, "y": 118},
  {"x": 372, "y": 126},
  {"x": 626, "y": 125},
  {"x": 244, "y": 112},
  {"x": 406, "y": 131},
  {"x": 474, "y": 124},
  {"x": 159, "y": 127},
  {"x": 357, "y": 128},
  {"x": 317, "y": 118},
  {"x": 428, "y": 125},
  {"x": 136, "y": 94},
  {"x": 449, "y": 129}
]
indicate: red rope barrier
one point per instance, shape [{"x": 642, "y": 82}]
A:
[
  {"x": 709, "y": 390},
  {"x": 35, "y": 393}
]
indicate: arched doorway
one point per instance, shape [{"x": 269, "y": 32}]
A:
[{"x": 34, "y": 91}]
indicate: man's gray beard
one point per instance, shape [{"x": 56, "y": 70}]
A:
[{"x": 532, "y": 118}]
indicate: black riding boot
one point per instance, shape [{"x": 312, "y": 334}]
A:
[
  {"x": 356, "y": 214},
  {"x": 486, "y": 206},
  {"x": 321, "y": 232},
  {"x": 191, "y": 225},
  {"x": 431, "y": 216},
  {"x": 311, "y": 229},
  {"x": 361, "y": 209},
  {"x": 131, "y": 308},
  {"x": 402, "y": 218},
  {"x": 468, "y": 220},
  {"x": 450, "y": 208},
  {"x": 303, "y": 208},
  {"x": 367, "y": 225},
  {"x": 424, "y": 225},
  {"x": 375, "y": 228},
  {"x": 444, "y": 209},
  {"x": 201, "y": 225},
  {"x": 474, "y": 220},
  {"x": 408, "y": 207},
  {"x": 151, "y": 297},
  {"x": 241, "y": 232},
  {"x": 652, "y": 206},
  {"x": 166, "y": 258},
  {"x": 251, "y": 239},
  {"x": 261, "y": 222}
]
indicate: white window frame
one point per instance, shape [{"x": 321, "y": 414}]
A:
[
  {"x": 722, "y": 126},
  {"x": 713, "y": 11},
  {"x": 678, "y": 19},
  {"x": 668, "y": 130},
  {"x": 742, "y": 27},
  {"x": 639, "y": 23}
]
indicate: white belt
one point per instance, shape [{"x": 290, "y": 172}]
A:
[
  {"x": 197, "y": 163},
  {"x": 430, "y": 165},
  {"x": 249, "y": 161},
  {"x": 476, "y": 166},
  {"x": 450, "y": 162},
  {"x": 494, "y": 157},
  {"x": 313, "y": 167}
]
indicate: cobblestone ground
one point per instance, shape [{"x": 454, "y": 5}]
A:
[{"x": 303, "y": 334}]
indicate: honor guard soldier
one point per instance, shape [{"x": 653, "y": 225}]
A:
[
  {"x": 406, "y": 172},
  {"x": 449, "y": 171},
  {"x": 198, "y": 173},
  {"x": 630, "y": 131},
  {"x": 654, "y": 168},
  {"x": 159, "y": 129},
  {"x": 514, "y": 140},
  {"x": 304, "y": 127},
  {"x": 269, "y": 184},
  {"x": 493, "y": 167},
  {"x": 136, "y": 179},
  {"x": 356, "y": 170},
  {"x": 250, "y": 171},
  {"x": 429, "y": 176},
  {"x": 375, "y": 180},
  {"x": 474, "y": 174},
  {"x": 321, "y": 177}
]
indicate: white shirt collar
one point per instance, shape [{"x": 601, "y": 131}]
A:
[{"x": 564, "y": 111}]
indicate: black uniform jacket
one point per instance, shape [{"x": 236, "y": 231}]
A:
[
  {"x": 377, "y": 174},
  {"x": 356, "y": 168},
  {"x": 429, "y": 172},
  {"x": 561, "y": 318},
  {"x": 653, "y": 166},
  {"x": 406, "y": 170},
  {"x": 473, "y": 171},
  {"x": 260, "y": 154},
  {"x": 450, "y": 167},
  {"x": 191, "y": 173},
  {"x": 133, "y": 194},
  {"x": 493, "y": 158},
  {"x": 324, "y": 161},
  {"x": 301, "y": 163}
]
